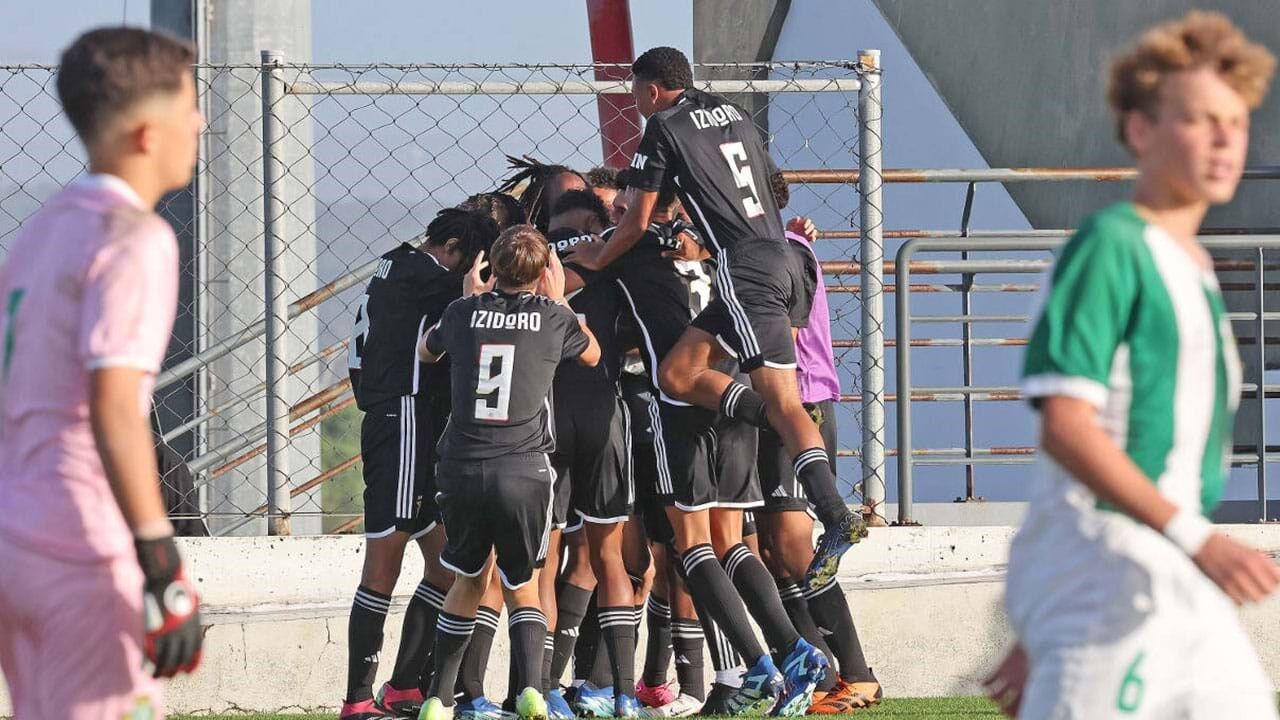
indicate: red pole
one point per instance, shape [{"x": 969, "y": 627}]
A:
[{"x": 610, "y": 23}]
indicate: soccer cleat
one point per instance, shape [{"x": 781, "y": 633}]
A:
[
  {"x": 846, "y": 698},
  {"x": 683, "y": 705},
  {"x": 557, "y": 707},
  {"x": 592, "y": 701},
  {"x": 717, "y": 700},
  {"x": 833, "y": 544},
  {"x": 761, "y": 690},
  {"x": 481, "y": 708},
  {"x": 434, "y": 709},
  {"x": 400, "y": 703},
  {"x": 625, "y": 706},
  {"x": 362, "y": 710},
  {"x": 801, "y": 671},
  {"x": 530, "y": 705},
  {"x": 655, "y": 696}
]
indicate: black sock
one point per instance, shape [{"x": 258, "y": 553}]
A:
[
  {"x": 742, "y": 403},
  {"x": 528, "y": 627},
  {"x": 760, "y": 595},
  {"x": 637, "y": 619},
  {"x": 711, "y": 587},
  {"x": 601, "y": 673},
  {"x": 572, "y": 602},
  {"x": 657, "y": 653},
  {"x": 475, "y": 662},
  {"x": 364, "y": 641},
  {"x": 584, "y": 651},
  {"x": 453, "y": 634},
  {"x": 798, "y": 608},
  {"x": 417, "y": 636},
  {"x": 831, "y": 614},
  {"x": 687, "y": 640},
  {"x": 548, "y": 653},
  {"x": 617, "y": 627},
  {"x": 813, "y": 470}
]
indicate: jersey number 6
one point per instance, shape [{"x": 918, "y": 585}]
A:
[{"x": 493, "y": 382}]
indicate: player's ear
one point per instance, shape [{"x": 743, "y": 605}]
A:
[{"x": 1137, "y": 131}]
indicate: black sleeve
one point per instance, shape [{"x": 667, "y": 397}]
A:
[
  {"x": 575, "y": 341},
  {"x": 589, "y": 277},
  {"x": 438, "y": 334},
  {"x": 653, "y": 157}
]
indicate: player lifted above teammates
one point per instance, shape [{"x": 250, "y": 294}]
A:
[
  {"x": 1119, "y": 589},
  {"x": 713, "y": 156},
  {"x": 90, "y": 291}
]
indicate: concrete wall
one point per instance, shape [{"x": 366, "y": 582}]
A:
[{"x": 926, "y": 601}]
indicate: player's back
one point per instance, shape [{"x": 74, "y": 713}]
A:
[
  {"x": 597, "y": 305},
  {"x": 90, "y": 282},
  {"x": 716, "y": 158},
  {"x": 505, "y": 349}
]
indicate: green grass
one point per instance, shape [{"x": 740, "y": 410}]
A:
[
  {"x": 964, "y": 708},
  {"x": 343, "y": 495}
]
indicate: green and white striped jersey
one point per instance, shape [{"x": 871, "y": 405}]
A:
[{"x": 1135, "y": 326}]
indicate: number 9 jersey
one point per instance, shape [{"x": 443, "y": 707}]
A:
[{"x": 505, "y": 348}]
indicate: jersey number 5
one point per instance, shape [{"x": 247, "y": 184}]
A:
[
  {"x": 493, "y": 382},
  {"x": 736, "y": 156}
]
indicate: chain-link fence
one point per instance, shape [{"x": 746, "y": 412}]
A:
[{"x": 277, "y": 245}]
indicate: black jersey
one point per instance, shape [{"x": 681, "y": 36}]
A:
[
  {"x": 710, "y": 149},
  {"x": 505, "y": 349},
  {"x": 662, "y": 295},
  {"x": 597, "y": 305},
  {"x": 407, "y": 294}
]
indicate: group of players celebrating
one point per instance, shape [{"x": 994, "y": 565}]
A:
[
  {"x": 573, "y": 407},
  {"x": 573, "y": 420}
]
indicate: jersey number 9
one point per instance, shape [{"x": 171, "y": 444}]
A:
[{"x": 493, "y": 382}]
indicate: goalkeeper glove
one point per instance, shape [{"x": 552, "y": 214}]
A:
[{"x": 171, "y": 609}]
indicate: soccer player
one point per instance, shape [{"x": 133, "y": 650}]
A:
[
  {"x": 706, "y": 470},
  {"x": 1120, "y": 591},
  {"x": 543, "y": 186},
  {"x": 407, "y": 294},
  {"x": 710, "y": 152},
  {"x": 604, "y": 183},
  {"x": 91, "y": 583},
  {"x": 494, "y": 476}
]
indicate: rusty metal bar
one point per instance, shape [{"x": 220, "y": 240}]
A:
[
  {"x": 849, "y": 176},
  {"x": 348, "y": 525}
]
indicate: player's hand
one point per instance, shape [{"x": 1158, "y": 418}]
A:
[
  {"x": 586, "y": 255},
  {"x": 1244, "y": 574},
  {"x": 681, "y": 241},
  {"x": 1006, "y": 683},
  {"x": 552, "y": 283},
  {"x": 472, "y": 284},
  {"x": 171, "y": 609},
  {"x": 803, "y": 226}
]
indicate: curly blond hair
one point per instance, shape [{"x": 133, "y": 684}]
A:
[{"x": 1199, "y": 39}]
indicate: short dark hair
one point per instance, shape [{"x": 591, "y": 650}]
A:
[
  {"x": 474, "y": 230},
  {"x": 666, "y": 66},
  {"x": 109, "y": 70},
  {"x": 603, "y": 177},
  {"x": 501, "y": 207},
  {"x": 582, "y": 200},
  {"x": 520, "y": 254},
  {"x": 781, "y": 190}
]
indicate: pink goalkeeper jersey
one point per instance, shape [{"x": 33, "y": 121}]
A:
[{"x": 91, "y": 281}]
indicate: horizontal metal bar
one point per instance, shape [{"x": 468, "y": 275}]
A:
[
  {"x": 845, "y": 234},
  {"x": 970, "y": 318},
  {"x": 566, "y": 87},
  {"x": 938, "y": 342},
  {"x": 1003, "y": 175}
]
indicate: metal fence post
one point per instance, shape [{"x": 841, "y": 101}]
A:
[
  {"x": 1261, "y": 380},
  {"x": 871, "y": 217},
  {"x": 279, "y": 503}
]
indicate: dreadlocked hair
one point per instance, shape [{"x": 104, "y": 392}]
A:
[
  {"x": 501, "y": 207},
  {"x": 582, "y": 200},
  {"x": 475, "y": 232},
  {"x": 533, "y": 198}
]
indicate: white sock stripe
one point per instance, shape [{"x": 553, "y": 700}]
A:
[
  {"x": 808, "y": 457},
  {"x": 735, "y": 558},
  {"x": 549, "y": 642},
  {"x": 431, "y": 595},
  {"x": 729, "y": 403},
  {"x": 527, "y": 616},
  {"x": 790, "y": 592},
  {"x": 455, "y": 627},
  {"x": 658, "y": 607},
  {"x": 695, "y": 557},
  {"x": 616, "y": 622},
  {"x": 628, "y": 615},
  {"x": 488, "y": 620},
  {"x": 810, "y": 594},
  {"x": 371, "y": 608},
  {"x": 372, "y": 602}
]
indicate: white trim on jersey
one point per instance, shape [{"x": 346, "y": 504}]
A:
[
  {"x": 417, "y": 364},
  {"x": 665, "y": 486},
  {"x": 1092, "y": 391},
  {"x": 408, "y": 458},
  {"x": 136, "y": 362},
  {"x": 648, "y": 345}
]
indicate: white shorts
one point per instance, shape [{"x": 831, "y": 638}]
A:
[
  {"x": 71, "y": 637},
  {"x": 1119, "y": 623}
]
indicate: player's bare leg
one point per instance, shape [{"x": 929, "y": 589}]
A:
[
  {"x": 687, "y": 373},
  {"x": 403, "y": 693},
  {"x": 453, "y": 633}
]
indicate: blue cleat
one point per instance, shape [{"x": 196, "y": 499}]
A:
[
  {"x": 625, "y": 706},
  {"x": 801, "y": 672},
  {"x": 481, "y": 708},
  {"x": 592, "y": 701},
  {"x": 557, "y": 707},
  {"x": 760, "y": 691},
  {"x": 833, "y": 544}
]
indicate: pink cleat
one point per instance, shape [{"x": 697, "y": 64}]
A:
[{"x": 654, "y": 696}]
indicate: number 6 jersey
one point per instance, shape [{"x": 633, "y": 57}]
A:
[{"x": 505, "y": 348}]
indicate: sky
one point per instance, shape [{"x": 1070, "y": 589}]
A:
[{"x": 919, "y": 132}]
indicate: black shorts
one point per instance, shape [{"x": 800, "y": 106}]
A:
[
  {"x": 592, "y": 461},
  {"x": 500, "y": 505},
  {"x": 705, "y": 460},
  {"x": 397, "y": 443},
  {"x": 764, "y": 287},
  {"x": 782, "y": 490}
]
